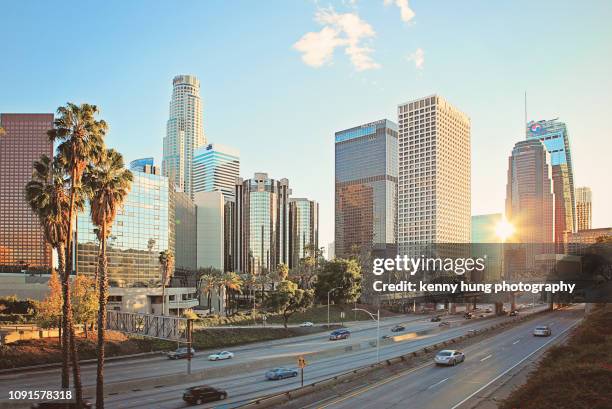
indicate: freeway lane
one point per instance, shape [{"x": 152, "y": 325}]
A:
[
  {"x": 250, "y": 384},
  {"x": 120, "y": 370},
  {"x": 434, "y": 387}
]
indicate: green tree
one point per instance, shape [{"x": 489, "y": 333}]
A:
[
  {"x": 109, "y": 183},
  {"x": 81, "y": 142},
  {"x": 344, "y": 275},
  {"x": 289, "y": 299},
  {"x": 166, "y": 260},
  {"x": 84, "y": 301},
  {"x": 49, "y": 310},
  {"x": 283, "y": 271},
  {"x": 233, "y": 284},
  {"x": 46, "y": 194}
]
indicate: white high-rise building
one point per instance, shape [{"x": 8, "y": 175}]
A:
[
  {"x": 184, "y": 132},
  {"x": 216, "y": 167},
  {"x": 434, "y": 192}
]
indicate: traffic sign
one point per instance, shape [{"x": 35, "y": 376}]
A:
[{"x": 301, "y": 362}]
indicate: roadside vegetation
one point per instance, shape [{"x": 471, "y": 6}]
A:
[
  {"x": 576, "y": 375},
  {"x": 48, "y": 350}
]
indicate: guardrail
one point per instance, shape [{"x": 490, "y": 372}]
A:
[{"x": 273, "y": 400}]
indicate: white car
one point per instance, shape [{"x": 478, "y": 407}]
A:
[
  {"x": 219, "y": 356},
  {"x": 542, "y": 331},
  {"x": 449, "y": 357},
  {"x": 306, "y": 324}
]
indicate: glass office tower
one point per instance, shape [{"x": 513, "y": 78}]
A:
[
  {"x": 304, "y": 229},
  {"x": 365, "y": 187},
  {"x": 216, "y": 167},
  {"x": 139, "y": 165},
  {"x": 22, "y": 244},
  {"x": 142, "y": 229},
  {"x": 554, "y": 135},
  {"x": 261, "y": 224}
]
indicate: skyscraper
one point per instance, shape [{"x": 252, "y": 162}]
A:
[
  {"x": 584, "y": 212},
  {"x": 530, "y": 200},
  {"x": 142, "y": 229},
  {"x": 366, "y": 187},
  {"x": 140, "y": 165},
  {"x": 261, "y": 224},
  {"x": 304, "y": 229},
  {"x": 554, "y": 135},
  {"x": 22, "y": 244},
  {"x": 434, "y": 173},
  {"x": 216, "y": 167},
  {"x": 184, "y": 132}
]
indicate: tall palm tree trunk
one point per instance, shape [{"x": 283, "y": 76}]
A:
[
  {"x": 67, "y": 308},
  {"x": 102, "y": 291},
  {"x": 164, "y": 295},
  {"x": 61, "y": 267}
]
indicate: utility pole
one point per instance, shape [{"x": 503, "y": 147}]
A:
[{"x": 189, "y": 343}]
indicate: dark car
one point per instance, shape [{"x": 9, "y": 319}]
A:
[
  {"x": 339, "y": 334},
  {"x": 467, "y": 315},
  {"x": 398, "y": 328},
  {"x": 58, "y": 404},
  {"x": 436, "y": 318},
  {"x": 281, "y": 373},
  {"x": 202, "y": 394},
  {"x": 513, "y": 313},
  {"x": 179, "y": 353}
]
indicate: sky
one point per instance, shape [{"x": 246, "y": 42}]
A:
[{"x": 279, "y": 77}]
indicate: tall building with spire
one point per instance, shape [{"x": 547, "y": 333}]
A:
[
  {"x": 553, "y": 134},
  {"x": 184, "y": 132},
  {"x": 584, "y": 209}
]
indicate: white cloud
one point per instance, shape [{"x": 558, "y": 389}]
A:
[
  {"x": 406, "y": 13},
  {"x": 346, "y": 30},
  {"x": 418, "y": 57}
]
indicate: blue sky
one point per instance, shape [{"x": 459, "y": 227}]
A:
[{"x": 361, "y": 59}]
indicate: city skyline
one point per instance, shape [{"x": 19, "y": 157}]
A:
[{"x": 490, "y": 76}]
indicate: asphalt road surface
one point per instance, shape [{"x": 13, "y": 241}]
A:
[
  {"x": 429, "y": 386},
  {"x": 247, "y": 385}
]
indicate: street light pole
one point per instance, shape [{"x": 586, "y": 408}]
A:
[
  {"x": 328, "y": 293},
  {"x": 377, "y": 319}
]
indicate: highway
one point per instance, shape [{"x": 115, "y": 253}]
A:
[
  {"x": 246, "y": 385},
  {"x": 251, "y": 384},
  {"x": 457, "y": 387}
]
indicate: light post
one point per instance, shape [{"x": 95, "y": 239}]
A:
[
  {"x": 328, "y": 293},
  {"x": 377, "y": 319}
]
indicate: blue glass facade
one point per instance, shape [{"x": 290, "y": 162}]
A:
[
  {"x": 366, "y": 171},
  {"x": 141, "y": 230},
  {"x": 554, "y": 135},
  {"x": 138, "y": 165},
  {"x": 216, "y": 167}
]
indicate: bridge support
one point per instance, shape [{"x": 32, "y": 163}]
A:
[
  {"x": 512, "y": 301},
  {"x": 499, "y": 307},
  {"x": 452, "y": 307}
]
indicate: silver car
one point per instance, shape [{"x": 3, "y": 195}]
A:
[
  {"x": 542, "y": 331},
  {"x": 449, "y": 357}
]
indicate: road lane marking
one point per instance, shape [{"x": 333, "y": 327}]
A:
[
  {"x": 437, "y": 383},
  {"x": 486, "y": 357},
  {"x": 514, "y": 366},
  {"x": 516, "y": 342},
  {"x": 375, "y": 385}
]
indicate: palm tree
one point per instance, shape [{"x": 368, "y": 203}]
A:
[
  {"x": 232, "y": 282},
  {"x": 81, "y": 139},
  {"x": 46, "y": 195},
  {"x": 110, "y": 184},
  {"x": 2, "y": 131},
  {"x": 166, "y": 259},
  {"x": 207, "y": 284}
]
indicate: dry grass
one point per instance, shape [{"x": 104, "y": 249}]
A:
[{"x": 577, "y": 375}]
